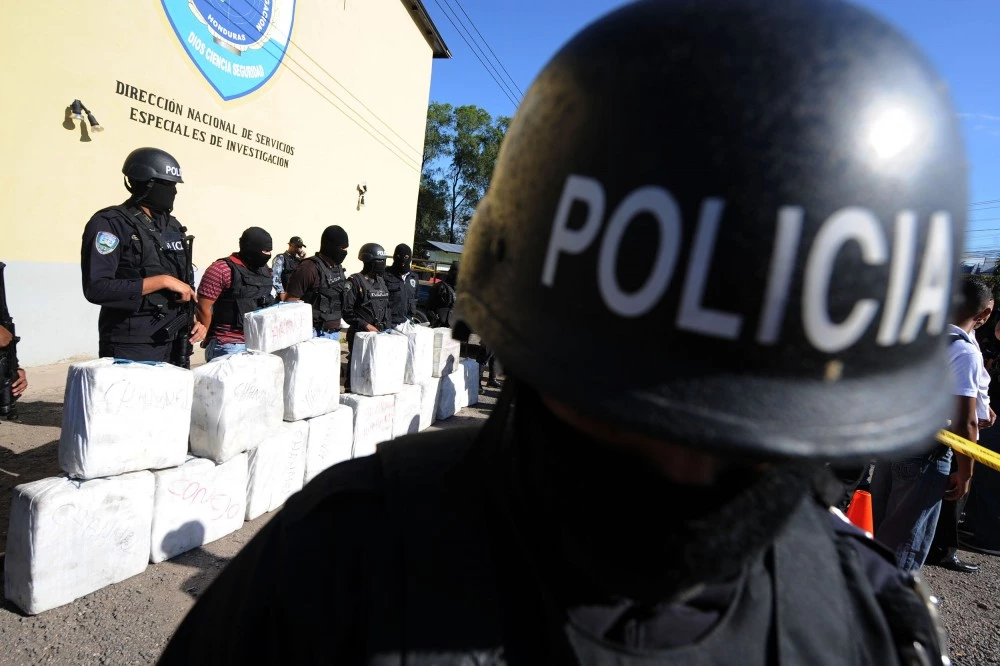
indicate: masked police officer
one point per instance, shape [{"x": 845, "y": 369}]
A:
[
  {"x": 133, "y": 263},
  {"x": 366, "y": 299},
  {"x": 402, "y": 284},
  {"x": 230, "y": 288},
  {"x": 764, "y": 201},
  {"x": 320, "y": 280},
  {"x": 442, "y": 298}
]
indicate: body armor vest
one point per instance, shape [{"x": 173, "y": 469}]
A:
[
  {"x": 327, "y": 298},
  {"x": 248, "y": 291},
  {"x": 288, "y": 267}
]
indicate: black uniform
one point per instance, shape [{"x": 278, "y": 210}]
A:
[
  {"x": 327, "y": 295},
  {"x": 441, "y": 302},
  {"x": 402, "y": 294},
  {"x": 453, "y": 547},
  {"x": 366, "y": 301},
  {"x": 121, "y": 246},
  {"x": 249, "y": 290}
]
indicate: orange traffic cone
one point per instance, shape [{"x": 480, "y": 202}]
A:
[{"x": 860, "y": 511}]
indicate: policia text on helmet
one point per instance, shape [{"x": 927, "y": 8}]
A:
[
  {"x": 151, "y": 175},
  {"x": 723, "y": 184}
]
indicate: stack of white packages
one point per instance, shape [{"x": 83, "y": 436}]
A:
[
  {"x": 331, "y": 440},
  {"x": 70, "y": 538},
  {"x": 453, "y": 394},
  {"x": 120, "y": 416},
  {"x": 419, "y": 354},
  {"x": 471, "y": 369},
  {"x": 447, "y": 353},
  {"x": 312, "y": 378},
  {"x": 406, "y": 411},
  {"x": 196, "y": 504},
  {"x": 238, "y": 400},
  {"x": 373, "y": 420},
  {"x": 277, "y": 468},
  {"x": 428, "y": 401},
  {"x": 278, "y": 326},
  {"x": 378, "y": 362}
]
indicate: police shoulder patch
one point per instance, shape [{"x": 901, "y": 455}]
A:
[{"x": 106, "y": 242}]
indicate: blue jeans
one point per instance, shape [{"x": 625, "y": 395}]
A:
[
  {"x": 214, "y": 350},
  {"x": 329, "y": 335},
  {"x": 906, "y": 502}
]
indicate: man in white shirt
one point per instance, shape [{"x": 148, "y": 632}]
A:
[
  {"x": 972, "y": 384},
  {"x": 907, "y": 494}
]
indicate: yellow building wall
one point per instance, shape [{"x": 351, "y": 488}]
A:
[{"x": 349, "y": 98}]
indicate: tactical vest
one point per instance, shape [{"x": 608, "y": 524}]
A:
[
  {"x": 248, "y": 291},
  {"x": 327, "y": 298},
  {"x": 817, "y": 596},
  {"x": 402, "y": 295},
  {"x": 160, "y": 253},
  {"x": 371, "y": 302},
  {"x": 291, "y": 262}
]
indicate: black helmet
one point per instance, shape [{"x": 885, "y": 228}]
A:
[
  {"x": 760, "y": 202},
  {"x": 148, "y": 163},
  {"x": 371, "y": 252}
]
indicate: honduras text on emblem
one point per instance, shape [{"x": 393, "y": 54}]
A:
[{"x": 236, "y": 44}]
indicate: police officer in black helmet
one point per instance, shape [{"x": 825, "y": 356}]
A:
[
  {"x": 133, "y": 265},
  {"x": 764, "y": 201},
  {"x": 366, "y": 299}
]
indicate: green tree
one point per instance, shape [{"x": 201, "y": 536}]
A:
[{"x": 461, "y": 145}]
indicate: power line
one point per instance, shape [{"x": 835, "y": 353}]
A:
[
  {"x": 395, "y": 150},
  {"x": 288, "y": 38},
  {"x": 506, "y": 86},
  {"x": 462, "y": 35},
  {"x": 488, "y": 46}
]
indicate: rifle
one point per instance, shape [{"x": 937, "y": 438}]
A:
[
  {"x": 188, "y": 308},
  {"x": 8, "y": 355}
]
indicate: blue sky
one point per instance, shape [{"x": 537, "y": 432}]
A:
[{"x": 959, "y": 36}]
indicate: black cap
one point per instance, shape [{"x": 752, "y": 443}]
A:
[{"x": 296, "y": 241}]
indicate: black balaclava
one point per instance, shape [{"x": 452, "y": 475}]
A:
[
  {"x": 609, "y": 519},
  {"x": 401, "y": 257},
  {"x": 376, "y": 266},
  {"x": 157, "y": 195},
  {"x": 333, "y": 244},
  {"x": 253, "y": 243}
]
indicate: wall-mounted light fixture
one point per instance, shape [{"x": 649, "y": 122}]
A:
[
  {"x": 77, "y": 109},
  {"x": 362, "y": 190}
]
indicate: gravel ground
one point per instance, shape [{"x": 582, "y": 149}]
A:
[
  {"x": 129, "y": 623},
  {"x": 970, "y": 609}
]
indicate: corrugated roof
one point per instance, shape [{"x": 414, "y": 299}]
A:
[
  {"x": 446, "y": 247},
  {"x": 426, "y": 25}
]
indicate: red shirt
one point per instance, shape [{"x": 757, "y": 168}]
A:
[{"x": 217, "y": 279}]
